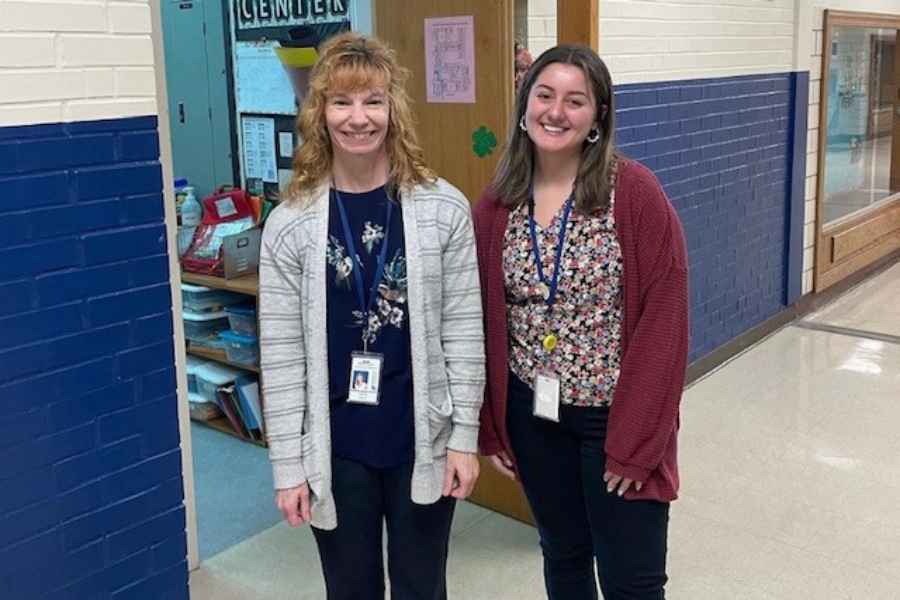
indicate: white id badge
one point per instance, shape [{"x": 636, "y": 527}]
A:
[
  {"x": 546, "y": 397},
  {"x": 365, "y": 378}
]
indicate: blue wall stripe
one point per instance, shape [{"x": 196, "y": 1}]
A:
[
  {"x": 90, "y": 464},
  {"x": 722, "y": 149},
  {"x": 799, "y": 120}
]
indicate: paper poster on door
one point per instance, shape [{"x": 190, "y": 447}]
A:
[{"x": 450, "y": 59}]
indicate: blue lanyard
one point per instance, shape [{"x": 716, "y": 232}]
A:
[
  {"x": 364, "y": 306},
  {"x": 551, "y": 298}
]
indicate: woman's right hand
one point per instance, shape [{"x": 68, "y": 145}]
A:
[
  {"x": 294, "y": 504},
  {"x": 503, "y": 464}
]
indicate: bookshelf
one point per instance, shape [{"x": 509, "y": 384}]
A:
[{"x": 248, "y": 285}]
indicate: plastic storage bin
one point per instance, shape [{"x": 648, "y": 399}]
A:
[
  {"x": 242, "y": 319},
  {"x": 197, "y": 298},
  {"x": 241, "y": 349},
  {"x": 203, "y": 329},
  {"x": 212, "y": 376},
  {"x": 193, "y": 363}
]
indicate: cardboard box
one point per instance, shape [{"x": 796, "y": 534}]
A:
[{"x": 240, "y": 253}]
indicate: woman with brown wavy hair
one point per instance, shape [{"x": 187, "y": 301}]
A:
[
  {"x": 368, "y": 274},
  {"x": 584, "y": 279}
]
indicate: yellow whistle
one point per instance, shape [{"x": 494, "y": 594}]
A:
[{"x": 549, "y": 342}]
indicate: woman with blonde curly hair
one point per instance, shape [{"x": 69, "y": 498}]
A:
[{"x": 368, "y": 272}]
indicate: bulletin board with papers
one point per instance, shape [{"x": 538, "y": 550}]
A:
[{"x": 262, "y": 86}]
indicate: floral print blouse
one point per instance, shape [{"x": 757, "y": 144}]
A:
[
  {"x": 382, "y": 435},
  {"x": 587, "y": 314}
]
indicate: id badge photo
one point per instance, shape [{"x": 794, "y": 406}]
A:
[{"x": 365, "y": 378}]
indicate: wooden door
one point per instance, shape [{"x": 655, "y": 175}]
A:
[
  {"x": 457, "y": 136},
  {"x": 446, "y": 129}
]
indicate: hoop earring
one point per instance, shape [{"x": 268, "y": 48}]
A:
[
  {"x": 593, "y": 136},
  {"x": 522, "y": 124}
]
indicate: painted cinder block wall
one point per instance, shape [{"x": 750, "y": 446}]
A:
[
  {"x": 711, "y": 98},
  {"x": 91, "y": 491}
]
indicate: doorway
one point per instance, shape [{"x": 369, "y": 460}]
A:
[{"x": 198, "y": 78}]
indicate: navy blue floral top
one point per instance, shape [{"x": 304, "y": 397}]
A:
[{"x": 378, "y": 436}]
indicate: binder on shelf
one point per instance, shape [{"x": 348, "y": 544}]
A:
[
  {"x": 242, "y": 419},
  {"x": 248, "y": 394},
  {"x": 226, "y": 398}
]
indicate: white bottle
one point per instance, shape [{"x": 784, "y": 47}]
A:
[{"x": 191, "y": 210}]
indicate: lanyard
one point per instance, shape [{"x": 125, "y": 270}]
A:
[
  {"x": 549, "y": 340},
  {"x": 364, "y": 306},
  {"x": 551, "y": 290}
]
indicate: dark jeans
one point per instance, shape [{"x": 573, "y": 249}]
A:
[
  {"x": 352, "y": 559},
  {"x": 561, "y": 466}
]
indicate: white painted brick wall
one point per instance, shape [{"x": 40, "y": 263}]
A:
[
  {"x": 653, "y": 40},
  {"x": 76, "y": 60},
  {"x": 541, "y": 25},
  {"x": 130, "y": 17}
]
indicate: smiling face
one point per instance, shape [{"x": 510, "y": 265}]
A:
[
  {"x": 357, "y": 123},
  {"x": 561, "y": 110}
]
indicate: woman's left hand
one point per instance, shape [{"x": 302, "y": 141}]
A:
[
  {"x": 462, "y": 472},
  {"x": 617, "y": 482}
]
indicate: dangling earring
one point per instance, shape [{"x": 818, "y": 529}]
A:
[
  {"x": 522, "y": 124},
  {"x": 593, "y": 136}
]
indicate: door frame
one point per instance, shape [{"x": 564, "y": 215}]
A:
[{"x": 578, "y": 22}]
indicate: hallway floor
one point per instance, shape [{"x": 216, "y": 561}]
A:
[{"x": 790, "y": 468}]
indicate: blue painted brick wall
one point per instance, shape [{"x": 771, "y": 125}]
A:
[
  {"x": 90, "y": 466},
  {"x": 723, "y": 150}
]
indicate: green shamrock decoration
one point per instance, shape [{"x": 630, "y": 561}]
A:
[{"x": 485, "y": 141}]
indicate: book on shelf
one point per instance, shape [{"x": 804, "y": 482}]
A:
[
  {"x": 230, "y": 402},
  {"x": 248, "y": 393}
]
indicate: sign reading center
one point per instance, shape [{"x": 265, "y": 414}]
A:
[{"x": 254, "y": 14}]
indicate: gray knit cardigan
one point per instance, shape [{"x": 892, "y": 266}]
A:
[{"x": 446, "y": 337}]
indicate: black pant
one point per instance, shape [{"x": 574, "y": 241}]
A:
[
  {"x": 368, "y": 499},
  {"x": 561, "y": 466}
]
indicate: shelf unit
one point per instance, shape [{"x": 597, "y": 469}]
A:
[{"x": 249, "y": 285}]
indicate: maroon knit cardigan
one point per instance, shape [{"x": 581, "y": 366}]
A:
[{"x": 641, "y": 441}]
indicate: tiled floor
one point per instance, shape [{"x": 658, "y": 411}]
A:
[{"x": 790, "y": 461}]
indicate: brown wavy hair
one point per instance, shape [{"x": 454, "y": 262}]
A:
[
  {"x": 593, "y": 183},
  {"x": 351, "y": 62}
]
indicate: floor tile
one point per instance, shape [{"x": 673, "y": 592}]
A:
[
  {"x": 209, "y": 584},
  {"x": 869, "y": 306},
  {"x": 813, "y": 577},
  {"x": 735, "y": 555},
  {"x": 687, "y": 582}
]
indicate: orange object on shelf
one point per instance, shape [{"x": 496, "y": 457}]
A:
[{"x": 256, "y": 208}]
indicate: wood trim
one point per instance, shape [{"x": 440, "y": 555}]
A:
[
  {"x": 895, "y": 127},
  {"x": 863, "y": 260},
  {"x": 858, "y": 237},
  {"x": 248, "y": 284},
  {"x": 578, "y": 22},
  {"x": 860, "y": 19}
]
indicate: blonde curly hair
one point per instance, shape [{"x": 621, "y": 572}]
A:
[{"x": 351, "y": 62}]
